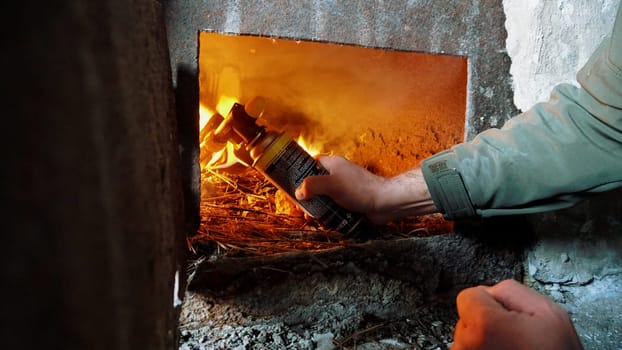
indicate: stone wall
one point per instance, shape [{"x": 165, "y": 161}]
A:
[
  {"x": 576, "y": 257},
  {"x": 472, "y": 29}
]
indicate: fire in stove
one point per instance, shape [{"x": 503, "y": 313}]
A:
[
  {"x": 281, "y": 160},
  {"x": 384, "y": 109}
]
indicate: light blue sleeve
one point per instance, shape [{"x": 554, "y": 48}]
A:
[{"x": 552, "y": 156}]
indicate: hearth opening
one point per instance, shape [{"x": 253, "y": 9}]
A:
[{"x": 384, "y": 109}]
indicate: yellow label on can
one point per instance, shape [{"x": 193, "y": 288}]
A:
[{"x": 273, "y": 151}]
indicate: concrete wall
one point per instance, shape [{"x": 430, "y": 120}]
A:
[
  {"x": 473, "y": 29},
  {"x": 92, "y": 213},
  {"x": 577, "y": 260},
  {"x": 549, "y": 41}
]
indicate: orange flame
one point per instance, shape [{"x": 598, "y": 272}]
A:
[
  {"x": 226, "y": 157},
  {"x": 224, "y": 105},
  {"x": 223, "y": 158},
  {"x": 312, "y": 149},
  {"x": 205, "y": 114}
]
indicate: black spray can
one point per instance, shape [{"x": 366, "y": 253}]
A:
[{"x": 286, "y": 164}]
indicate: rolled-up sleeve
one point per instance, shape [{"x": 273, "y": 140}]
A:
[{"x": 550, "y": 157}]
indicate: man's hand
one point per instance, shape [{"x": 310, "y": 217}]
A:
[
  {"x": 357, "y": 189},
  {"x": 349, "y": 185},
  {"x": 510, "y": 315}
]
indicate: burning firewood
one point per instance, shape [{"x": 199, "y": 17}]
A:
[
  {"x": 243, "y": 214},
  {"x": 284, "y": 205},
  {"x": 240, "y": 217}
]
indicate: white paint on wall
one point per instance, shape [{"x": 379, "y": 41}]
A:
[
  {"x": 233, "y": 20},
  {"x": 550, "y": 40},
  {"x": 176, "y": 300}
]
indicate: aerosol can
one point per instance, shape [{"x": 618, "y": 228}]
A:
[{"x": 285, "y": 163}]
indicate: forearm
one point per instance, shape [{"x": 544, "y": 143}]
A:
[
  {"x": 404, "y": 195},
  {"x": 357, "y": 189}
]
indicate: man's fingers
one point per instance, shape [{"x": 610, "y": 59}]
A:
[
  {"x": 460, "y": 332},
  {"x": 330, "y": 162},
  {"x": 313, "y": 186},
  {"x": 320, "y": 184},
  {"x": 479, "y": 313},
  {"x": 474, "y": 301},
  {"x": 517, "y": 297},
  {"x": 511, "y": 315}
]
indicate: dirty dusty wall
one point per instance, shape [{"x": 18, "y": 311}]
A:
[
  {"x": 578, "y": 259},
  {"x": 586, "y": 237},
  {"x": 90, "y": 185},
  {"x": 472, "y": 29},
  {"x": 549, "y": 41}
]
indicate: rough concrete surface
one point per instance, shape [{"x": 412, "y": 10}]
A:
[
  {"x": 376, "y": 295},
  {"x": 360, "y": 311},
  {"x": 549, "y": 41},
  {"x": 473, "y": 29},
  {"x": 576, "y": 261}
]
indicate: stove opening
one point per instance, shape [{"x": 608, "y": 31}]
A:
[{"x": 386, "y": 110}]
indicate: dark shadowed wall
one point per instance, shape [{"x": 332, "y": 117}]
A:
[{"x": 91, "y": 187}]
